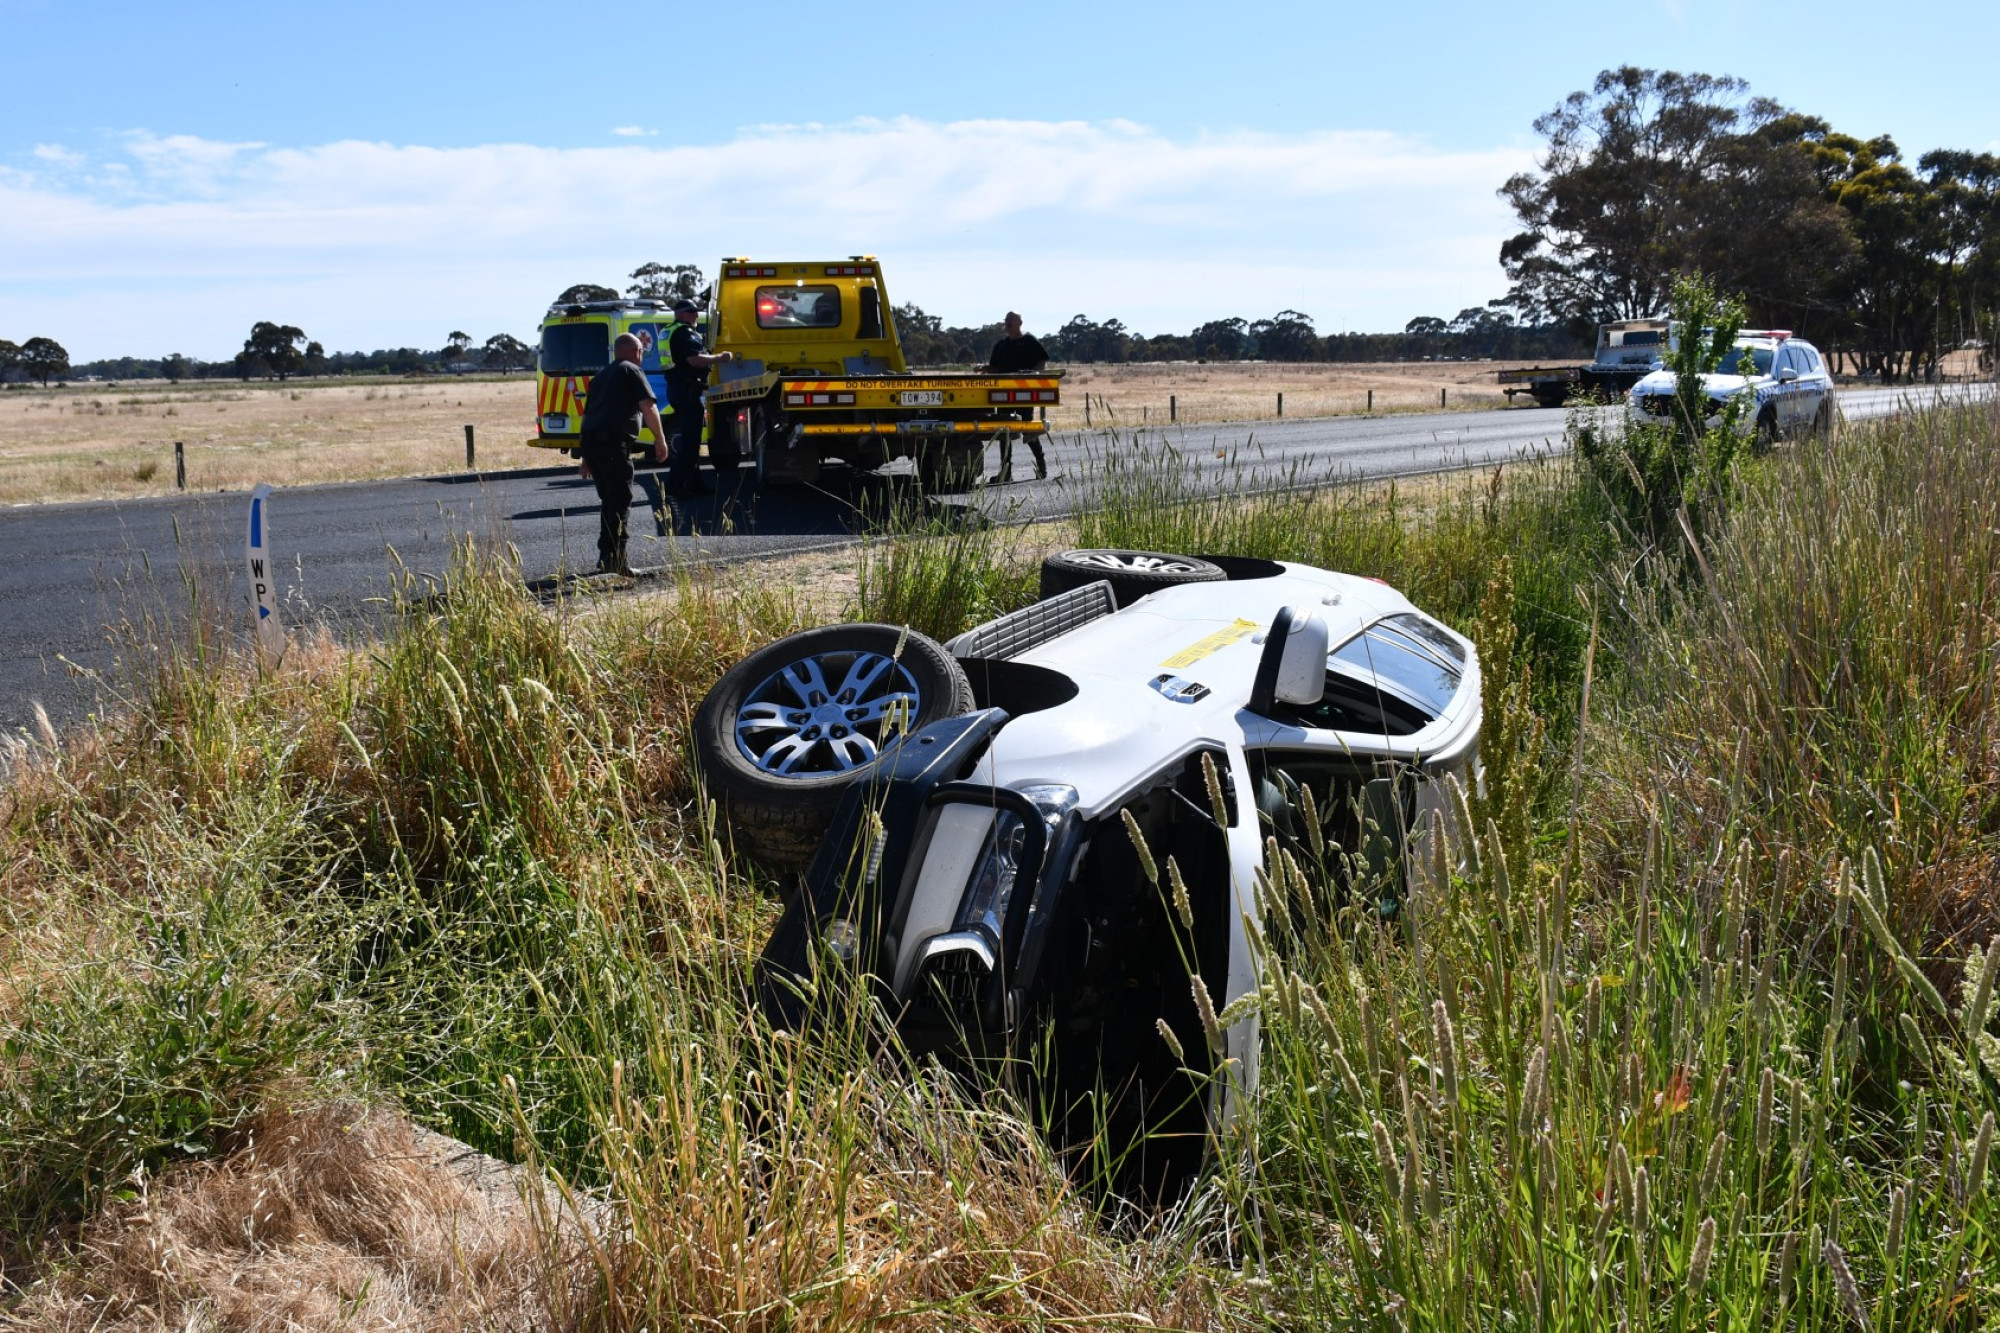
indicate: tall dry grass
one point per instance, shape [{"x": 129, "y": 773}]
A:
[{"x": 1693, "y": 1031}]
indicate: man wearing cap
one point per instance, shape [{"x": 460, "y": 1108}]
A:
[
  {"x": 687, "y": 362},
  {"x": 1016, "y": 352},
  {"x": 620, "y": 399}
]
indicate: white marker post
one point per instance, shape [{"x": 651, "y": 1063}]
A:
[{"x": 263, "y": 586}]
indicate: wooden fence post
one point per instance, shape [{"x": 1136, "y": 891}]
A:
[
  {"x": 1173, "y": 408},
  {"x": 468, "y": 444},
  {"x": 1281, "y": 404}
]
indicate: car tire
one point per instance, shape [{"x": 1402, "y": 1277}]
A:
[
  {"x": 1132, "y": 574},
  {"x": 773, "y": 760},
  {"x": 1823, "y": 420},
  {"x": 1764, "y": 435}
]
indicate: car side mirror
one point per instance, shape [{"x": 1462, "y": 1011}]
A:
[
  {"x": 1787, "y": 375},
  {"x": 1293, "y": 667}
]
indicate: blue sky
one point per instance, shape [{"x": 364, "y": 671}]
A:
[{"x": 383, "y": 174}]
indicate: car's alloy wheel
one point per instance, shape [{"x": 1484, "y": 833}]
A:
[
  {"x": 1132, "y": 574},
  {"x": 789, "y": 728},
  {"x": 1765, "y": 433}
]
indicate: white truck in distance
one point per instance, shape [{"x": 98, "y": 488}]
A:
[{"x": 1627, "y": 351}]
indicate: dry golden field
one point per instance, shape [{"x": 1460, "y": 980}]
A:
[
  {"x": 102, "y": 441},
  {"x": 98, "y": 441}
]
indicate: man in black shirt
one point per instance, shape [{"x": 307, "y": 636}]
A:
[
  {"x": 620, "y": 399},
  {"x": 687, "y": 363},
  {"x": 1014, "y": 353}
]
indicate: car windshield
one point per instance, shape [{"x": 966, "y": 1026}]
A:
[
  {"x": 815, "y": 307},
  {"x": 1405, "y": 655},
  {"x": 575, "y": 349},
  {"x": 1760, "y": 359}
]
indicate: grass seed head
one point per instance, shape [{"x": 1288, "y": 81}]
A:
[
  {"x": 1183, "y": 905},
  {"x": 1447, "y": 1050},
  {"x": 1205, "y": 1007},
  {"x": 1534, "y": 1092},
  {"x": 1146, "y": 863},
  {"x": 1899, "y": 1206},
  {"x": 1913, "y": 1037},
  {"x": 1835, "y": 1260},
  {"x": 1711, "y": 1171},
  {"x": 1982, "y": 1149},
  {"x": 1766, "y": 1097},
  {"x": 1704, "y": 1251}
]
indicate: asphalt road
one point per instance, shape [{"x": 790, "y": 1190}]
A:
[{"x": 88, "y": 592}]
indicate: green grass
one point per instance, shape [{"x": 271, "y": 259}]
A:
[{"x": 1693, "y": 1033}]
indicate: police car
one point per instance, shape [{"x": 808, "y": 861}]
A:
[
  {"x": 1782, "y": 382},
  {"x": 985, "y": 827}
]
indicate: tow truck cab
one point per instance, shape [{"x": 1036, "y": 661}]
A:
[
  {"x": 820, "y": 375},
  {"x": 807, "y": 318}
]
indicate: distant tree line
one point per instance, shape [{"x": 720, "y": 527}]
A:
[
  {"x": 272, "y": 351},
  {"x": 1652, "y": 175},
  {"x": 1289, "y": 335}
]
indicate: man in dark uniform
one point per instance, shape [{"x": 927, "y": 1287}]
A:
[
  {"x": 687, "y": 363},
  {"x": 620, "y": 399},
  {"x": 1015, "y": 352}
]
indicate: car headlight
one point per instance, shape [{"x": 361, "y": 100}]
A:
[{"x": 998, "y": 870}]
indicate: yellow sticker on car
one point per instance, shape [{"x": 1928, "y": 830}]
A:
[{"x": 1235, "y": 632}]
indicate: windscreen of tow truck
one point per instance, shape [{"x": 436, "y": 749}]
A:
[
  {"x": 814, "y": 307},
  {"x": 575, "y": 349}
]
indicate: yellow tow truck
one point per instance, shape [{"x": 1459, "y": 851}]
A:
[{"x": 819, "y": 375}]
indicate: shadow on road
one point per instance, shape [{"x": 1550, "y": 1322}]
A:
[{"x": 845, "y": 502}]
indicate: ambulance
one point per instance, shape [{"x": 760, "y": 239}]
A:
[{"x": 576, "y": 344}]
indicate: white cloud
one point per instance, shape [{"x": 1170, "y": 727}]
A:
[
  {"x": 634, "y": 132},
  {"x": 371, "y": 244}
]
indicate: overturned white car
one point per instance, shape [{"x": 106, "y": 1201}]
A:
[{"x": 964, "y": 817}]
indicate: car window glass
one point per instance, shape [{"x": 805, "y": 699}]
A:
[
  {"x": 811, "y": 307},
  {"x": 573, "y": 349},
  {"x": 1746, "y": 361},
  {"x": 1398, "y": 654}
]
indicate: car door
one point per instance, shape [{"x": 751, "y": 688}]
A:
[
  {"x": 1815, "y": 384},
  {"x": 1785, "y": 389}
]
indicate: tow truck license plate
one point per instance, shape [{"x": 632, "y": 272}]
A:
[{"x": 921, "y": 398}]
